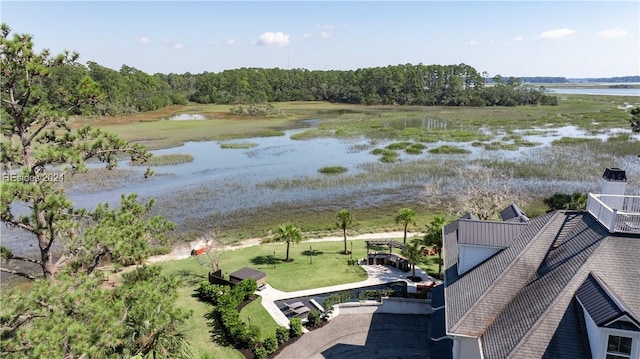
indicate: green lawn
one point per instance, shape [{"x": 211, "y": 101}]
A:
[
  {"x": 260, "y": 317},
  {"x": 327, "y": 267}
]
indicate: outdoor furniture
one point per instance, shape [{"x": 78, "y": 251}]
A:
[
  {"x": 302, "y": 310},
  {"x": 294, "y": 306}
]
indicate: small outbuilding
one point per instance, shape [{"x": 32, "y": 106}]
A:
[{"x": 248, "y": 273}]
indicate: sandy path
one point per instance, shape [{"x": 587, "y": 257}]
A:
[{"x": 183, "y": 250}]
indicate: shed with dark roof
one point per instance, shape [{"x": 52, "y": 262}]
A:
[{"x": 248, "y": 273}]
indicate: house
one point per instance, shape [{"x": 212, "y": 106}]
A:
[{"x": 563, "y": 285}]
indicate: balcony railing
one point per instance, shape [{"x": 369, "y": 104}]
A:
[{"x": 617, "y": 213}]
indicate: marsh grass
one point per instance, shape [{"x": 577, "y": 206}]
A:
[
  {"x": 494, "y": 146},
  {"x": 573, "y": 141},
  {"x": 373, "y": 122},
  {"x": 448, "y": 149},
  {"x": 101, "y": 179},
  {"x": 238, "y": 145},
  {"x": 167, "y": 160},
  {"x": 333, "y": 170}
]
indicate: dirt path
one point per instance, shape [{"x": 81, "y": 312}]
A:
[{"x": 183, "y": 250}]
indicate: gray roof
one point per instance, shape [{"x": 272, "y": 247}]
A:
[
  {"x": 488, "y": 233},
  {"x": 521, "y": 300},
  {"x": 246, "y": 273},
  {"x": 512, "y": 213},
  {"x": 602, "y": 304},
  {"x": 498, "y": 274},
  {"x": 570, "y": 339}
]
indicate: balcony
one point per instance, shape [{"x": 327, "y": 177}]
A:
[{"x": 619, "y": 214}]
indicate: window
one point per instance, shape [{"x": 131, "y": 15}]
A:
[{"x": 618, "y": 347}]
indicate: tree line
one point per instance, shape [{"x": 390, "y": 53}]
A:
[{"x": 130, "y": 90}]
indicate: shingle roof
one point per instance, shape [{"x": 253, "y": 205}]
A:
[
  {"x": 522, "y": 301},
  {"x": 550, "y": 289},
  {"x": 602, "y": 304},
  {"x": 470, "y": 305},
  {"x": 570, "y": 339}
]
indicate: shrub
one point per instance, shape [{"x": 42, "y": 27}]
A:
[
  {"x": 270, "y": 344},
  {"x": 211, "y": 293},
  {"x": 251, "y": 335},
  {"x": 260, "y": 352},
  {"x": 245, "y": 289},
  {"x": 295, "y": 327},
  {"x": 282, "y": 335},
  {"x": 314, "y": 318}
]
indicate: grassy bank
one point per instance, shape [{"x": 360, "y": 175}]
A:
[{"x": 419, "y": 123}]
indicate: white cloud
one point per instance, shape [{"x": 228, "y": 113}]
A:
[
  {"x": 278, "y": 39},
  {"x": 178, "y": 45},
  {"x": 231, "y": 41},
  {"x": 558, "y": 34},
  {"x": 326, "y": 27},
  {"x": 518, "y": 38},
  {"x": 144, "y": 40},
  {"x": 615, "y": 33},
  {"x": 325, "y": 34},
  {"x": 306, "y": 36},
  {"x": 471, "y": 43}
]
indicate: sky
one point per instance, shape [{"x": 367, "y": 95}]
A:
[{"x": 512, "y": 38}]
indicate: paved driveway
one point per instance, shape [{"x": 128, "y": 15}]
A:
[{"x": 365, "y": 336}]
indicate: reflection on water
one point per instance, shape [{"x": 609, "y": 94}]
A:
[
  {"x": 187, "y": 117},
  {"x": 428, "y": 123}
]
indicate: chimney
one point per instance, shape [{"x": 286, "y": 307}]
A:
[{"x": 614, "y": 181}]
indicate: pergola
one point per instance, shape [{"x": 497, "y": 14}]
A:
[{"x": 386, "y": 242}]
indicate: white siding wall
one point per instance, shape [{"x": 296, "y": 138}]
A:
[
  {"x": 595, "y": 336},
  {"x": 466, "y": 348},
  {"x": 599, "y": 337},
  {"x": 470, "y": 256}
]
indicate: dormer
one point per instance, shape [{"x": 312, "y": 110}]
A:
[
  {"x": 613, "y": 329},
  {"x": 480, "y": 240}
]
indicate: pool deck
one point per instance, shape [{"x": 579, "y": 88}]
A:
[{"x": 378, "y": 274}]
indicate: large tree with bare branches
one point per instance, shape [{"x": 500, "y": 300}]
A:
[{"x": 477, "y": 190}]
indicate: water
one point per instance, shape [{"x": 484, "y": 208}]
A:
[
  {"x": 220, "y": 181},
  {"x": 594, "y": 91},
  {"x": 187, "y": 117}
]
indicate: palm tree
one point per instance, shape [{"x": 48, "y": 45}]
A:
[
  {"x": 287, "y": 233},
  {"x": 414, "y": 253},
  {"x": 345, "y": 218},
  {"x": 406, "y": 216},
  {"x": 433, "y": 237}
]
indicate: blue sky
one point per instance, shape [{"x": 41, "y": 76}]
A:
[{"x": 511, "y": 38}]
